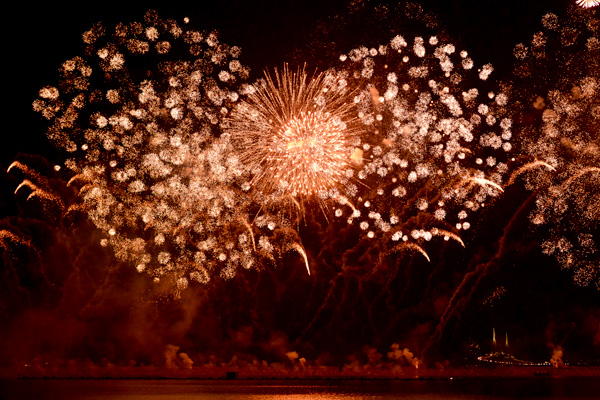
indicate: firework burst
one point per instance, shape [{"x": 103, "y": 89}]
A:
[
  {"x": 185, "y": 167},
  {"x": 559, "y": 70},
  {"x": 147, "y": 155},
  {"x": 296, "y": 134},
  {"x": 436, "y": 149}
]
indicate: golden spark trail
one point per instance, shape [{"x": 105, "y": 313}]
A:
[
  {"x": 346, "y": 202},
  {"x": 27, "y": 183},
  {"x": 485, "y": 182},
  {"x": 300, "y": 249},
  {"x": 77, "y": 178},
  {"x": 411, "y": 246},
  {"x": 579, "y": 174},
  {"x": 249, "y": 228},
  {"x": 447, "y": 235},
  {"x": 18, "y": 165},
  {"x": 528, "y": 167}
]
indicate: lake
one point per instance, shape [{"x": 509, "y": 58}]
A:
[{"x": 149, "y": 389}]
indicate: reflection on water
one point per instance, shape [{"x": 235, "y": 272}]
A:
[{"x": 540, "y": 388}]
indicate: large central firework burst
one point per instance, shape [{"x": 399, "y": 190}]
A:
[{"x": 296, "y": 133}]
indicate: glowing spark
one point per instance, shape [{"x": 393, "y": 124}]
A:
[
  {"x": 250, "y": 231},
  {"x": 300, "y": 249},
  {"x": 18, "y": 165},
  {"x": 345, "y": 201},
  {"x": 32, "y": 174},
  {"x": 77, "y": 178},
  {"x": 579, "y": 174},
  {"x": 47, "y": 199},
  {"x": 357, "y": 156},
  {"x": 528, "y": 167},
  {"x": 8, "y": 236},
  {"x": 28, "y": 184},
  {"x": 485, "y": 182},
  {"x": 447, "y": 234},
  {"x": 411, "y": 246}
]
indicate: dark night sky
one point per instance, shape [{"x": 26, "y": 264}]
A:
[{"x": 95, "y": 312}]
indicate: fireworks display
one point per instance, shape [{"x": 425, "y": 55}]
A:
[
  {"x": 565, "y": 143},
  {"x": 153, "y": 169},
  {"x": 190, "y": 172},
  {"x": 437, "y": 148},
  {"x": 377, "y": 188}
]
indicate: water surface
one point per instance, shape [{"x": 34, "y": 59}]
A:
[{"x": 147, "y": 389}]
